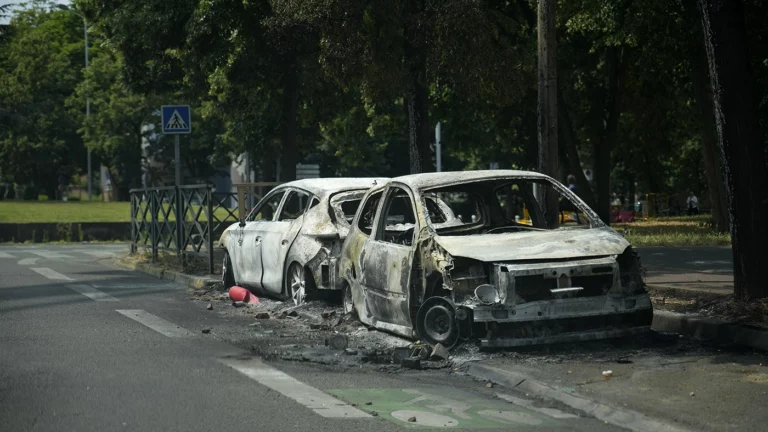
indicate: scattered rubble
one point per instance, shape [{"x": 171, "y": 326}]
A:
[
  {"x": 206, "y": 330},
  {"x": 337, "y": 341},
  {"x": 210, "y": 306},
  {"x": 489, "y": 385},
  {"x": 262, "y": 315},
  {"x": 412, "y": 419},
  {"x": 439, "y": 352},
  {"x": 411, "y": 363}
]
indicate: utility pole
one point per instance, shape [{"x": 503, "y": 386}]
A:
[{"x": 547, "y": 109}]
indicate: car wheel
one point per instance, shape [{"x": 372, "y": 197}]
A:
[
  {"x": 227, "y": 272},
  {"x": 298, "y": 285},
  {"x": 346, "y": 298},
  {"x": 436, "y": 322}
]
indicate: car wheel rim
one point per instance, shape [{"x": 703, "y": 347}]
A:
[
  {"x": 298, "y": 286},
  {"x": 224, "y": 272},
  {"x": 438, "y": 323},
  {"x": 347, "y": 299}
]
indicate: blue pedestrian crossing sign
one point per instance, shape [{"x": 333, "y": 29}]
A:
[{"x": 177, "y": 119}]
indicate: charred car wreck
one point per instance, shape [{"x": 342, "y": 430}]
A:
[
  {"x": 450, "y": 256},
  {"x": 289, "y": 243}
]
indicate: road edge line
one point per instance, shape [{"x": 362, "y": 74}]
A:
[{"x": 624, "y": 418}]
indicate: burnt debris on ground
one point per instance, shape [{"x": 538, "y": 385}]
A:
[
  {"x": 711, "y": 305},
  {"x": 319, "y": 332}
]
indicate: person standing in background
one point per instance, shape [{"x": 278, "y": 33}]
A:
[{"x": 693, "y": 204}]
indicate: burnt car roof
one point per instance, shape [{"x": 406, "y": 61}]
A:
[
  {"x": 326, "y": 186},
  {"x": 430, "y": 180}
]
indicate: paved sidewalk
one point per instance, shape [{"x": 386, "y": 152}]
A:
[{"x": 707, "y": 268}]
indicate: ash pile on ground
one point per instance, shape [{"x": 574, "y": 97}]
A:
[{"x": 317, "y": 331}]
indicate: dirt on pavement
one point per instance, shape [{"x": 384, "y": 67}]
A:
[{"x": 711, "y": 305}]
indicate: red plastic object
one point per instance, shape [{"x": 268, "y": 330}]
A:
[{"x": 237, "y": 293}]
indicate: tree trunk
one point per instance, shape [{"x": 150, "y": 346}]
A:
[
  {"x": 417, "y": 95},
  {"x": 739, "y": 140},
  {"x": 604, "y": 144},
  {"x": 547, "y": 115},
  {"x": 703, "y": 105},
  {"x": 289, "y": 156},
  {"x": 568, "y": 139}
]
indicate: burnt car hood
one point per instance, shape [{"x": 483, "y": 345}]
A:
[{"x": 535, "y": 245}]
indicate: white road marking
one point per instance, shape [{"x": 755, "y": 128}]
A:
[
  {"x": 28, "y": 261},
  {"x": 288, "y": 386},
  {"x": 156, "y": 323},
  {"x": 99, "y": 254},
  {"x": 92, "y": 293},
  {"x": 51, "y": 274},
  {"x": 50, "y": 255},
  {"x": 6, "y": 255}
]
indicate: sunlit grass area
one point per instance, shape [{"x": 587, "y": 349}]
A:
[
  {"x": 60, "y": 211},
  {"x": 73, "y": 212},
  {"x": 673, "y": 231}
]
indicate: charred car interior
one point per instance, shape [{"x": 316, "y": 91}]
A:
[{"x": 473, "y": 255}]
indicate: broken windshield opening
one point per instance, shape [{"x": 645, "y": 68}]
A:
[{"x": 499, "y": 206}]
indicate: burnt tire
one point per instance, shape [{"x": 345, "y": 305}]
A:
[
  {"x": 227, "y": 272},
  {"x": 436, "y": 322}
]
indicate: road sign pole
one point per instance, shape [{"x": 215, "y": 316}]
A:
[{"x": 177, "y": 152}]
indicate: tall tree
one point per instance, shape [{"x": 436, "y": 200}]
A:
[
  {"x": 40, "y": 65},
  {"x": 741, "y": 143},
  {"x": 547, "y": 106}
]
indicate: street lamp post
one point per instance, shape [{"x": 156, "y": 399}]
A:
[{"x": 87, "y": 96}]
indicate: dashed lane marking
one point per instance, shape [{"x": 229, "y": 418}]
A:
[
  {"x": 6, "y": 255},
  {"x": 51, "y": 274},
  {"x": 28, "y": 261},
  {"x": 50, "y": 254},
  {"x": 92, "y": 293},
  {"x": 156, "y": 323},
  {"x": 310, "y": 397}
]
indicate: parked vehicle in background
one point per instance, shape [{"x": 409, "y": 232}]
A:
[
  {"x": 450, "y": 256},
  {"x": 289, "y": 243}
]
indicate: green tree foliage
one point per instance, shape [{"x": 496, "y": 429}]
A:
[
  {"x": 114, "y": 130},
  {"x": 40, "y": 65}
]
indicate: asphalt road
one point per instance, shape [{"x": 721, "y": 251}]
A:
[
  {"x": 701, "y": 268},
  {"x": 87, "y": 347}
]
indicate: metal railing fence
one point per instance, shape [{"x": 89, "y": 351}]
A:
[{"x": 189, "y": 219}]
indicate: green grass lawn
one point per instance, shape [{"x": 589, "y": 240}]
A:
[
  {"x": 59, "y": 211},
  {"x": 673, "y": 231},
  {"x": 73, "y": 212}
]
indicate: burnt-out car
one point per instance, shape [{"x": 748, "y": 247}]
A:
[
  {"x": 450, "y": 256},
  {"x": 289, "y": 243}
]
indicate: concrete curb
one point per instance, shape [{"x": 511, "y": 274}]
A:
[
  {"x": 195, "y": 282},
  {"x": 715, "y": 330},
  {"x": 624, "y": 418}
]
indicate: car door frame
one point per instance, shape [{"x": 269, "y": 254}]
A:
[
  {"x": 247, "y": 260},
  {"x": 280, "y": 235},
  {"x": 385, "y": 265}
]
